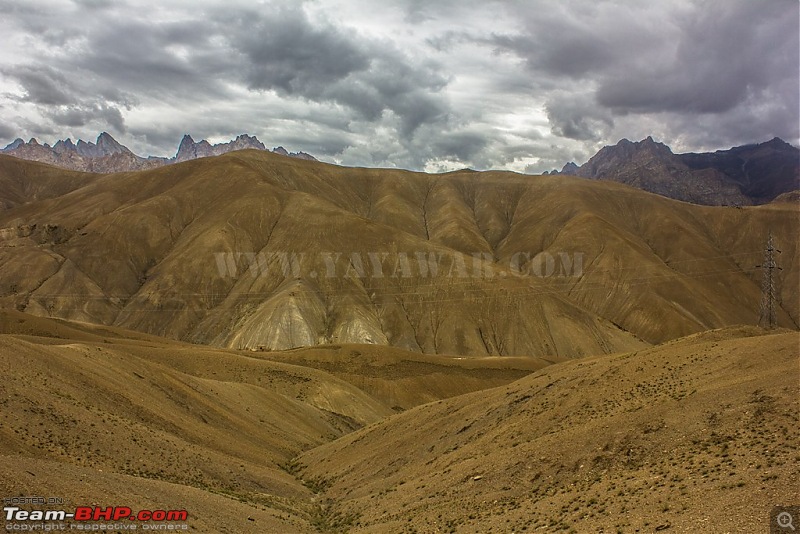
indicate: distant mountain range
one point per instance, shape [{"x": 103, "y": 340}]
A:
[
  {"x": 107, "y": 155},
  {"x": 740, "y": 176},
  {"x": 744, "y": 175}
]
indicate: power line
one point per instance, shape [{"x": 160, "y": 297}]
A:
[{"x": 767, "y": 317}]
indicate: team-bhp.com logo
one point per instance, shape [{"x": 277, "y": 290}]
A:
[{"x": 86, "y": 514}]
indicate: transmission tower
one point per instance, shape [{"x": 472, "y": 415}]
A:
[{"x": 767, "y": 316}]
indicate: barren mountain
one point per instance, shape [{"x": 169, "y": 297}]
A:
[
  {"x": 254, "y": 250},
  {"x": 664, "y": 439},
  {"x": 751, "y": 174},
  {"x": 189, "y": 150},
  {"x": 763, "y": 171},
  {"x": 97, "y": 413},
  {"x": 468, "y": 351},
  {"x": 107, "y": 155}
]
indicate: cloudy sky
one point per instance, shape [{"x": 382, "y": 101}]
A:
[{"x": 420, "y": 84}]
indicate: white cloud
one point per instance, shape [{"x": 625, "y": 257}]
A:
[{"x": 414, "y": 84}]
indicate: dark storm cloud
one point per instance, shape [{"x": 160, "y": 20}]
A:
[
  {"x": 167, "y": 60},
  {"x": 117, "y": 49},
  {"x": 202, "y": 57},
  {"x": 95, "y": 4},
  {"x": 37, "y": 19},
  {"x": 724, "y": 55},
  {"x": 482, "y": 83},
  {"x": 81, "y": 115},
  {"x": 67, "y": 99},
  {"x": 464, "y": 146},
  {"x": 579, "y": 39},
  {"x": 6, "y": 131},
  {"x": 30, "y": 128},
  {"x": 576, "y": 55},
  {"x": 47, "y": 86},
  {"x": 41, "y": 84},
  {"x": 721, "y": 59},
  {"x": 576, "y": 116},
  {"x": 411, "y": 92},
  {"x": 286, "y": 53}
]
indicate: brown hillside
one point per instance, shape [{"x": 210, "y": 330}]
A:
[
  {"x": 700, "y": 433},
  {"x": 403, "y": 379},
  {"x": 141, "y": 250},
  {"x": 25, "y": 181},
  {"x": 95, "y": 413}
]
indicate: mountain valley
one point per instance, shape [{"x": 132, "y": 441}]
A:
[{"x": 282, "y": 345}]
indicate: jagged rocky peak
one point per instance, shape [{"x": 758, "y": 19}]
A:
[
  {"x": 627, "y": 144},
  {"x": 570, "y": 168},
  {"x": 82, "y": 147},
  {"x": 107, "y": 145},
  {"x": 302, "y": 155},
  {"x": 107, "y": 155},
  {"x": 20, "y": 143},
  {"x": 187, "y": 149},
  {"x": 64, "y": 146},
  {"x": 777, "y": 143},
  {"x": 743, "y": 175},
  {"x": 244, "y": 141},
  {"x": 649, "y": 144},
  {"x": 626, "y": 147},
  {"x": 249, "y": 140},
  {"x": 299, "y": 155},
  {"x": 610, "y": 157},
  {"x": 16, "y": 143}
]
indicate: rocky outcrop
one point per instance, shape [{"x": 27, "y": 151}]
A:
[
  {"x": 106, "y": 155},
  {"x": 752, "y": 174},
  {"x": 763, "y": 171},
  {"x": 299, "y": 155},
  {"x": 188, "y": 149},
  {"x": 570, "y": 168}
]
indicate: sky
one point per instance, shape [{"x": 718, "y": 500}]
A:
[{"x": 424, "y": 85}]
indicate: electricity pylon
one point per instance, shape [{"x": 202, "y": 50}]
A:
[{"x": 768, "y": 317}]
